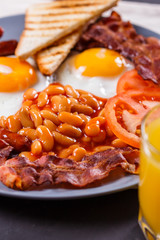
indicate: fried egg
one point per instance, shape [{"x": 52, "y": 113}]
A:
[
  {"x": 15, "y": 77},
  {"x": 96, "y": 70}
]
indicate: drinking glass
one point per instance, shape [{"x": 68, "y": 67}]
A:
[{"x": 149, "y": 185}]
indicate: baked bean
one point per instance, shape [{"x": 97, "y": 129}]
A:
[
  {"x": 3, "y": 120},
  {"x": 85, "y": 118},
  {"x": 70, "y": 130},
  {"x": 24, "y": 117},
  {"x": 97, "y": 120},
  {"x": 36, "y": 148},
  {"x": 51, "y": 153},
  {"x": 80, "y": 91},
  {"x": 70, "y": 118},
  {"x": 50, "y": 116},
  {"x": 78, "y": 154},
  {"x": 30, "y": 94},
  {"x": 49, "y": 124},
  {"x": 71, "y": 92},
  {"x": 65, "y": 153},
  {"x": 54, "y": 89},
  {"x": 13, "y": 123},
  {"x": 60, "y": 104},
  {"x": 102, "y": 148},
  {"x": 28, "y": 155},
  {"x": 27, "y": 103},
  {"x": 92, "y": 130},
  {"x": 73, "y": 100},
  {"x": 109, "y": 131},
  {"x": 45, "y": 137},
  {"x": 36, "y": 117},
  {"x": 35, "y": 107},
  {"x": 100, "y": 137},
  {"x": 86, "y": 139},
  {"x": 118, "y": 143},
  {"x": 87, "y": 110},
  {"x": 62, "y": 139},
  {"x": 89, "y": 100},
  {"x": 42, "y": 99},
  {"x": 28, "y": 132},
  {"x": 55, "y": 103}
]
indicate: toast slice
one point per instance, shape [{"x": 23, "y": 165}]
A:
[
  {"x": 48, "y": 60},
  {"x": 48, "y": 22}
]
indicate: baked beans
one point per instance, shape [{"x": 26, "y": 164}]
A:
[
  {"x": 47, "y": 114},
  {"x": 42, "y": 99},
  {"x": 30, "y": 94},
  {"x": 54, "y": 89},
  {"x": 69, "y": 130},
  {"x": 45, "y": 137},
  {"x": 13, "y": 123},
  {"x": 62, "y": 121},
  {"x": 62, "y": 139},
  {"x": 70, "y": 118},
  {"x": 36, "y": 147}
]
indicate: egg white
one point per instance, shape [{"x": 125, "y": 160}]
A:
[
  {"x": 100, "y": 86},
  {"x": 10, "y": 103}
]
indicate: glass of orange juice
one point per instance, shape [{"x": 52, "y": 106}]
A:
[{"x": 149, "y": 185}]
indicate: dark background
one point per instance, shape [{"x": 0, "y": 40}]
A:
[{"x": 112, "y": 217}]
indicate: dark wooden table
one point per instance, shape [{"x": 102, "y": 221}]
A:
[{"x": 112, "y": 217}]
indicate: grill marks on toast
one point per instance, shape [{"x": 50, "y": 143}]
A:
[
  {"x": 48, "y": 60},
  {"x": 44, "y": 22}
]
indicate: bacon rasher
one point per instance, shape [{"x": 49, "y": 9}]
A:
[
  {"x": 113, "y": 33},
  {"x": 48, "y": 171}
]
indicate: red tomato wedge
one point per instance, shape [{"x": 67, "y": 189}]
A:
[
  {"x": 125, "y": 111},
  {"x": 131, "y": 80}
]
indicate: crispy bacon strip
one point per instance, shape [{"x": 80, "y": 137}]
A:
[
  {"x": 20, "y": 143},
  {"x": 4, "y": 154},
  {"x": 111, "y": 32},
  {"x": 8, "y": 47},
  {"x": 20, "y": 173}
]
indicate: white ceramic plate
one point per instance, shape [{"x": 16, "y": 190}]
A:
[{"x": 13, "y": 27}]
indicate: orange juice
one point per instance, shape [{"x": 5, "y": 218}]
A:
[{"x": 149, "y": 187}]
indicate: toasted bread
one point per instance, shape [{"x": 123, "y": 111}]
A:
[
  {"x": 48, "y": 60},
  {"x": 48, "y": 22}
]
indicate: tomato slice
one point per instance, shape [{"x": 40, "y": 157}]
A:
[
  {"x": 131, "y": 80},
  {"x": 124, "y": 113}
]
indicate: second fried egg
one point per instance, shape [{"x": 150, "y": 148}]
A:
[
  {"x": 15, "y": 78},
  {"x": 96, "y": 70}
]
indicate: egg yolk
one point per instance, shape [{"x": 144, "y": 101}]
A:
[
  {"x": 99, "y": 62},
  {"x": 15, "y": 74}
]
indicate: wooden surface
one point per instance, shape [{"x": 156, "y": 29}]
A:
[{"x": 143, "y": 14}]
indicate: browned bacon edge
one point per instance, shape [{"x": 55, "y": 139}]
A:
[
  {"x": 20, "y": 173},
  {"x": 5, "y": 153},
  {"x": 113, "y": 33},
  {"x": 18, "y": 142}
]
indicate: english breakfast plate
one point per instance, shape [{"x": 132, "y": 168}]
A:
[{"x": 13, "y": 27}]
